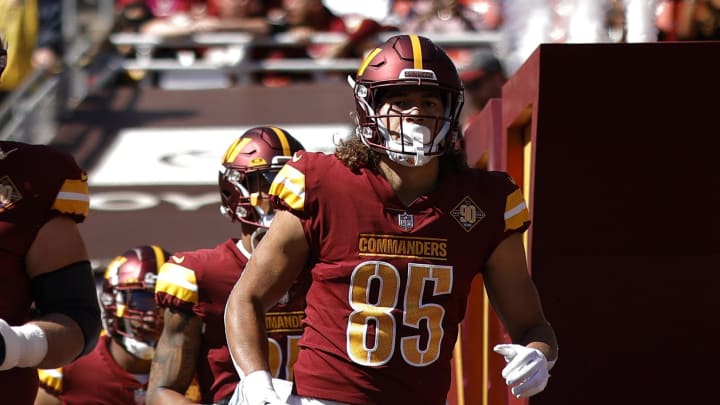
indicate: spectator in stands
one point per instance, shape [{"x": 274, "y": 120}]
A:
[
  {"x": 483, "y": 77},
  {"x": 34, "y": 28},
  {"x": 445, "y": 16},
  {"x": 212, "y": 16},
  {"x": 699, "y": 20},
  {"x": 301, "y": 19},
  {"x": 130, "y": 15}
]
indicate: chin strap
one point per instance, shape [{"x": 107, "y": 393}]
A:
[{"x": 256, "y": 236}]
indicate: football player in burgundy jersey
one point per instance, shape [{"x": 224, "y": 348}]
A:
[
  {"x": 193, "y": 286},
  {"x": 43, "y": 262},
  {"x": 116, "y": 371},
  {"x": 392, "y": 228}
]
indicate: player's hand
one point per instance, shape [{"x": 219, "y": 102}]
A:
[
  {"x": 257, "y": 389},
  {"x": 527, "y": 371}
]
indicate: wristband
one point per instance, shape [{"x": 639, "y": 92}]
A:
[{"x": 25, "y": 346}]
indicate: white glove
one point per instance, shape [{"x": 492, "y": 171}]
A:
[
  {"x": 25, "y": 346},
  {"x": 257, "y": 389},
  {"x": 527, "y": 371}
]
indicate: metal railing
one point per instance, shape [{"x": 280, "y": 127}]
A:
[
  {"x": 29, "y": 114},
  {"x": 145, "y": 45}
]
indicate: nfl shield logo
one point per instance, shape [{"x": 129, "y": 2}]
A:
[{"x": 405, "y": 221}]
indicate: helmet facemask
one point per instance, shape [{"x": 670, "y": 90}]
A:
[
  {"x": 249, "y": 196},
  {"x": 134, "y": 318},
  {"x": 129, "y": 311},
  {"x": 402, "y": 62},
  {"x": 412, "y": 144}
]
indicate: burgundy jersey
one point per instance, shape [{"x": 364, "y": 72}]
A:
[
  {"x": 37, "y": 183},
  {"x": 200, "y": 281},
  {"x": 94, "y": 379},
  {"x": 389, "y": 282}
]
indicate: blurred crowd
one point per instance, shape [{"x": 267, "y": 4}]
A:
[{"x": 520, "y": 25}]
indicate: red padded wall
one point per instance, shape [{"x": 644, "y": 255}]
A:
[{"x": 624, "y": 195}]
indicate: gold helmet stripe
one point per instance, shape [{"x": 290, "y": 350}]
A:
[
  {"x": 367, "y": 61},
  {"x": 159, "y": 257},
  {"x": 417, "y": 52},
  {"x": 283, "y": 140},
  {"x": 235, "y": 149}
]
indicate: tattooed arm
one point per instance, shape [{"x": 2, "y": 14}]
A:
[{"x": 175, "y": 361}]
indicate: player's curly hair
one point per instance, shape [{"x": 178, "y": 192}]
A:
[{"x": 356, "y": 155}]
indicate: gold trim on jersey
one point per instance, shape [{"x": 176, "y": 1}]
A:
[
  {"x": 289, "y": 186},
  {"x": 73, "y": 198},
  {"x": 52, "y": 378},
  {"x": 516, "y": 212},
  {"x": 402, "y": 246},
  {"x": 284, "y": 321},
  {"x": 177, "y": 281}
]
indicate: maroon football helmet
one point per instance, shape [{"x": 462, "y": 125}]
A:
[
  {"x": 407, "y": 60},
  {"x": 249, "y": 166},
  {"x": 130, "y": 313}
]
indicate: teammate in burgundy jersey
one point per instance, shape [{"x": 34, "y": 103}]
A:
[
  {"x": 116, "y": 371},
  {"x": 193, "y": 286},
  {"x": 43, "y": 261},
  {"x": 392, "y": 229}
]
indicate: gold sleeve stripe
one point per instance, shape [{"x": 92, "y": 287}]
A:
[
  {"x": 51, "y": 378},
  {"x": 73, "y": 198},
  {"x": 289, "y": 186},
  {"x": 75, "y": 186},
  {"x": 417, "y": 52},
  {"x": 177, "y": 281},
  {"x": 516, "y": 212},
  {"x": 367, "y": 61},
  {"x": 283, "y": 140}
]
